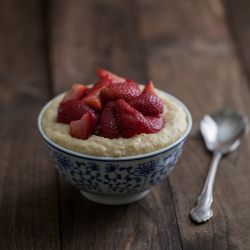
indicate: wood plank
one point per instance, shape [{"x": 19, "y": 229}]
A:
[
  {"x": 238, "y": 18},
  {"x": 28, "y": 186},
  {"x": 76, "y": 56},
  {"x": 191, "y": 55},
  {"x": 88, "y": 34}
]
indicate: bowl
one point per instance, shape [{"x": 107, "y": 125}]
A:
[{"x": 112, "y": 180}]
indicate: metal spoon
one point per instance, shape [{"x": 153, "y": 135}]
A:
[{"x": 221, "y": 132}]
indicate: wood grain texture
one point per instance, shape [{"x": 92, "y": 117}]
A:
[
  {"x": 196, "y": 50},
  {"x": 192, "y": 56},
  {"x": 89, "y": 34},
  {"x": 28, "y": 187},
  {"x": 186, "y": 48},
  {"x": 238, "y": 19},
  {"x": 86, "y": 35}
]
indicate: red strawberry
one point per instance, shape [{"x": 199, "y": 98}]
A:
[
  {"x": 132, "y": 83},
  {"x": 99, "y": 86},
  {"x": 72, "y": 110},
  {"x": 147, "y": 104},
  {"x": 93, "y": 98},
  {"x": 154, "y": 123},
  {"x": 119, "y": 90},
  {"x": 83, "y": 128},
  {"x": 107, "y": 75},
  {"x": 76, "y": 93},
  {"x": 93, "y": 101},
  {"x": 131, "y": 122},
  {"x": 108, "y": 122},
  {"x": 149, "y": 88}
]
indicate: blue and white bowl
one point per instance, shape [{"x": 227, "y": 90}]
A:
[{"x": 115, "y": 181}]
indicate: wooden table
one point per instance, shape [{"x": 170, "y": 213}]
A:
[{"x": 197, "y": 50}]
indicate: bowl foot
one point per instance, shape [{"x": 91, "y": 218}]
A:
[{"x": 114, "y": 199}]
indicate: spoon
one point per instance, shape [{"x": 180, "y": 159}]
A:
[{"x": 221, "y": 132}]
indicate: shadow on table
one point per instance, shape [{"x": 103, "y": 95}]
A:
[{"x": 86, "y": 224}]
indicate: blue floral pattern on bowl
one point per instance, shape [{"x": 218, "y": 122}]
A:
[{"x": 115, "y": 177}]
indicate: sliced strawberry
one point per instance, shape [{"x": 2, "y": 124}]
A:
[
  {"x": 72, "y": 110},
  {"x": 147, "y": 104},
  {"x": 86, "y": 92},
  {"x": 108, "y": 122},
  {"x": 132, "y": 122},
  {"x": 99, "y": 86},
  {"x": 93, "y": 101},
  {"x": 76, "y": 93},
  {"x": 83, "y": 128},
  {"x": 119, "y": 90},
  {"x": 149, "y": 88},
  {"x": 105, "y": 74},
  {"x": 154, "y": 123},
  {"x": 132, "y": 83},
  {"x": 93, "y": 97}
]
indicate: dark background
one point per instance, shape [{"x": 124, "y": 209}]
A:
[{"x": 197, "y": 50}]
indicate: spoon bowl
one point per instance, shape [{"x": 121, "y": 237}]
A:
[{"x": 222, "y": 130}]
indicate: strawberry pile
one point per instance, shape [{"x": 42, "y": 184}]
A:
[{"x": 114, "y": 107}]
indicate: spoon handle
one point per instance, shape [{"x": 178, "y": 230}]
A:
[{"x": 202, "y": 211}]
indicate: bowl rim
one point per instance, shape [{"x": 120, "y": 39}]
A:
[{"x": 124, "y": 158}]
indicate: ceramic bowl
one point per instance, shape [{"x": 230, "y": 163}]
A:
[{"x": 115, "y": 181}]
